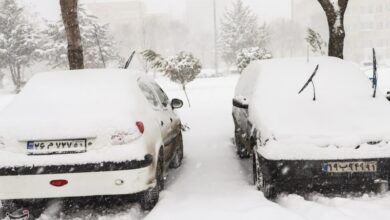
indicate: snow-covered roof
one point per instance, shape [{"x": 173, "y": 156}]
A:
[
  {"x": 73, "y": 103},
  {"x": 345, "y": 114}
]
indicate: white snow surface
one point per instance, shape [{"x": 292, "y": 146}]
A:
[
  {"x": 343, "y": 117},
  {"x": 213, "y": 183},
  {"x": 73, "y": 104}
]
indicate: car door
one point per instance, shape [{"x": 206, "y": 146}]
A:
[
  {"x": 172, "y": 124},
  {"x": 164, "y": 118}
]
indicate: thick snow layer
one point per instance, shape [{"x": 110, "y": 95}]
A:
[
  {"x": 213, "y": 183},
  {"x": 344, "y": 115},
  {"x": 5, "y": 100},
  {"x": 73, "y": 104}
]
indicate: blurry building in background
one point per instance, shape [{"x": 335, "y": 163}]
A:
[
  {"x": 135, "y": 29},
  {"x": 367, "y": 26},
  {"x": 199, "y": 16},
  {"x": 126, "y": 24}
]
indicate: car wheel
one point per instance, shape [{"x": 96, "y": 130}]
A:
[
  {"x": 261, "y": 183},
  {"x": 150, "y": 197},
  {"x": 242, "y": 152},
  {"x": 16, "y": 208},
  {"x": 7, "y": 206},
  {"x": 179, "y": 154},
  {"x": 382, "y": 187}
]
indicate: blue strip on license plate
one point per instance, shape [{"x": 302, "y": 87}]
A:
[
  {"x": 56, "y": 146},
  {"x": 350, "y": 167}
]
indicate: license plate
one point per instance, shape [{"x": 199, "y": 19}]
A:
[
  {"x": 56, "y": 147},
  {"x": 350, "y": 167}
]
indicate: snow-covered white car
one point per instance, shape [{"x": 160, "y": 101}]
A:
[
  {"x": 88, "y": 133},
  {"x": 337, "y": 142}
]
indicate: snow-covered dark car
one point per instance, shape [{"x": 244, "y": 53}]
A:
[
  {"x": 88, "y": 133},
  {"x": 335, "y": 140}
]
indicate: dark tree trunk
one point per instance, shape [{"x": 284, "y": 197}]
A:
[
  {"x": 100, "y": 47},
  {"x": 75, "y": 49},
  {"x": 185, "y": 92},
  {"x": 335, "y": 17},
  {"x": 1, "y": 79}
]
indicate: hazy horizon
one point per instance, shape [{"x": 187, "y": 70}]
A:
[{"x": 266, "y": 10}]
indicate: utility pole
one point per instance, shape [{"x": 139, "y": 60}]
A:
[{"x": 215, "y": 38}]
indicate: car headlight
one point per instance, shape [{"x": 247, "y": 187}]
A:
[{"x": 127, "y": 136}]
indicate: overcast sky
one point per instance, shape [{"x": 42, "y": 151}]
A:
[{"x": 265, "y": 9}]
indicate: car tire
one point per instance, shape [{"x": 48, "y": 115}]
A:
[
  {"x": 16, "y": 206},
  {"x": 179, "y": 154},
  {"x": 150, "y": 197},
  {"x": 261, "y": 182},
  {"x": 7, "y": 206}
]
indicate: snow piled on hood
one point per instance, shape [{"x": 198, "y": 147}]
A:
[
  {"x": 73, "y": 104},
  {"x": 344, "y": 115}
]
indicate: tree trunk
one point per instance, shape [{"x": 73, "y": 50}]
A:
[
  {"x": 99, "y": 47},
  {"x": 18, "y": 78},
  {"x": 335, "y": 16},
  {"x": 185, "y": 92},
  {"x": 75, "y": 50},
  {"x": 12, "y": 70},
  {"x": 1, "y": 79}
]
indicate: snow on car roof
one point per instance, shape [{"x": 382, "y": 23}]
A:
[
  {"x": 72, "y": 102},
  {"x": 344, "y": 114}
]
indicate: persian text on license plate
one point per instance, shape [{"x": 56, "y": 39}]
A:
[
  {"x": 56, "y": 147},
  {"x": 350, "y": 167}
]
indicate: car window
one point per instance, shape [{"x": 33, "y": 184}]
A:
[
  {"x": 149, "y": 94},
  {"x": 161, "y": 94}
]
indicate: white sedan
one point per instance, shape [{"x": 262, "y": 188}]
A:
[{"x": 88, "y": 133}]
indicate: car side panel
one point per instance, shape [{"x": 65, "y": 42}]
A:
[{"x": 243, "y": 127}]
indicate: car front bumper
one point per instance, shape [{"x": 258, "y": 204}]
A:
[
  {"x": 93, "y": 179},
  {"x": 294, "y": 176}
]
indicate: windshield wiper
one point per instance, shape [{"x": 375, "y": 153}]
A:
[{"x": 310, "y": 80}]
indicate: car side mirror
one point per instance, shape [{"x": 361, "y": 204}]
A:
[
  {"x": 176, "y": 103},
  {"x": 241, "y": 102}
]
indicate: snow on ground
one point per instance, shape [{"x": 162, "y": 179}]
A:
[
  {"x": 5, "y": 100},
  {"x": 214, "y": 184},
  {"x": 211, "y": 184}
]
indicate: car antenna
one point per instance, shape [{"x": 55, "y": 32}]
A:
[
  {"x": 129, "y": 60},
  {"x": 374, "y": 73},
  {"x": 310, "y": 80}
]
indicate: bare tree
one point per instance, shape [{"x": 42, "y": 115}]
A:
[
  {"x": 75, "y": 49},
  {"x": 335, "y": 10}
]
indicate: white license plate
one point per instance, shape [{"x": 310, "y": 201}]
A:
[
  {"x": 56, "y": 147},
  {"x": 350, "y": 167}
]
